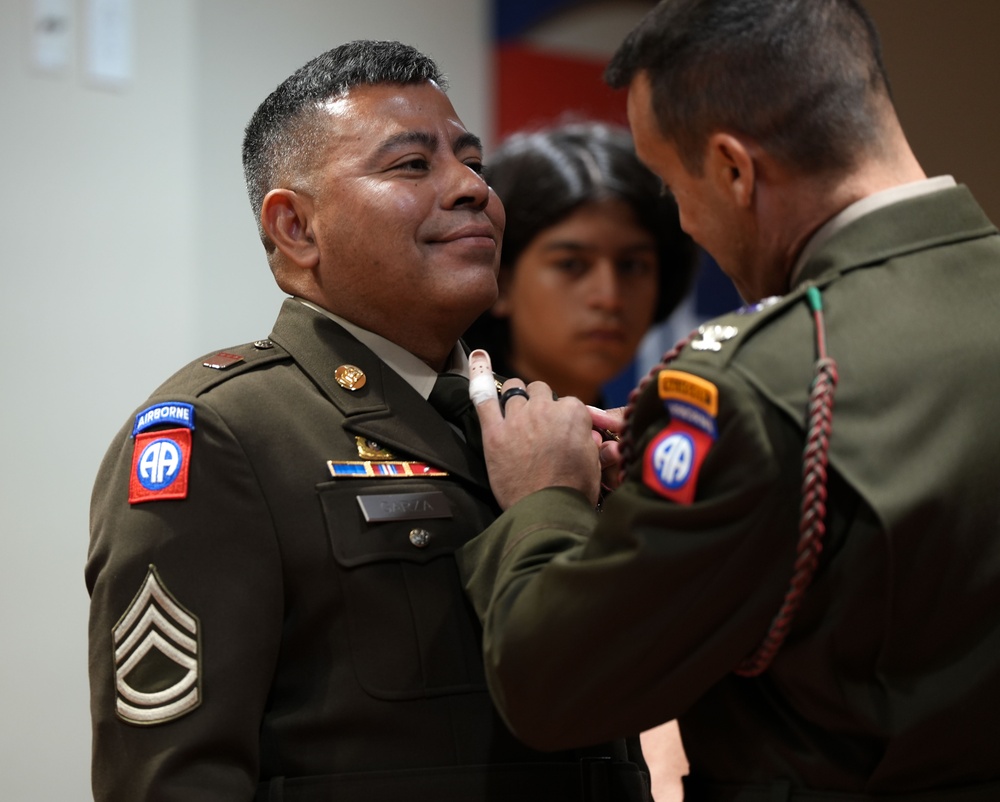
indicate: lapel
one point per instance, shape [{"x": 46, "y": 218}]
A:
[{"x": 386, "y": 409}]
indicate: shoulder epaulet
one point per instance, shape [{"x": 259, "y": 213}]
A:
[
  {"x": 716, "y": 341},
  {"x": 202, "y": 374}
]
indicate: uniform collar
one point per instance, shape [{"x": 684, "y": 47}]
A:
[
  {"x": 866, "y": 205},
  {"x": 417, "y": 373}
]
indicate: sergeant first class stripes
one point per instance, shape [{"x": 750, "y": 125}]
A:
[{"x": 157, "y": 654}]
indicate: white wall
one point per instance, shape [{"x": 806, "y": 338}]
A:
[{"x": 128, "y": 248}]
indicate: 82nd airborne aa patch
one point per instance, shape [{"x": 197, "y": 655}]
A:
[
  {"x": 673, "y": 461},
  {"x": 157, "y": 657},
  {"x": 674, "y": 458},
  {"x": 161, "y": 457},
  {"x": 160, "y": 463}
]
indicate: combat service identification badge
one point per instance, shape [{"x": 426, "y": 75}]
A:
[{"x": 157, "y": 654}]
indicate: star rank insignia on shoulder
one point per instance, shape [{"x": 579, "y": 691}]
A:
[{"x": 157, "y": 657}]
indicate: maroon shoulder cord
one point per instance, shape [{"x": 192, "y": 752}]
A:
[{"x": 812, "y": 526}]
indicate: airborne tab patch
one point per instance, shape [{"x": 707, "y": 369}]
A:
[
  {"x": 175, "y": 412},
  {"x": 157, "y": 655}
]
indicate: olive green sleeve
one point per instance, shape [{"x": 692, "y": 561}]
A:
[{"x": 601, "y": 624}]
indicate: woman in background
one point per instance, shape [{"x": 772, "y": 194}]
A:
[{"x": 593, "y": 256}]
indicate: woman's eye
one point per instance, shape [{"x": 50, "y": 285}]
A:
[
  {"x": 635, "y": 267},
  {"x": 572, "y": 266}
]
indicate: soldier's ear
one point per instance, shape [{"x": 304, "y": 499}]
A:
[
  {"x": 730, "y": 163},
  {"x": 286, "y": 217}
]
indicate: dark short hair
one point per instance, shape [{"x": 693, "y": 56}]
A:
[
  {"x": 282, "y": 129},
  {"x": 543, "y": 176},
  {"x": 804, "y": 78}
]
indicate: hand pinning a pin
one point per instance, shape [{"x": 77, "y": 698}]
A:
[{"x": 482, "y": 387}]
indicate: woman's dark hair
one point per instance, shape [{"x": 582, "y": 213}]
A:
[{"x": 543, "y": 176}]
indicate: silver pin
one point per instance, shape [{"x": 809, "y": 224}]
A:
[
  {"x": 711, "y": 337},
  {"x": 420, "y": 538}
]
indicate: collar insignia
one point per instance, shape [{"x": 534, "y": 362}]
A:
[
  {"x": 350, "y": 377},
  {"x": 711, "y": 336}
]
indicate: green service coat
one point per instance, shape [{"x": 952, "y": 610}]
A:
[
  {"x": 598, "y": 624},
  {"x": 277, "y": 628}
]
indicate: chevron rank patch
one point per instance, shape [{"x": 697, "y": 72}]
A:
[{"x": 157, "y": 655}]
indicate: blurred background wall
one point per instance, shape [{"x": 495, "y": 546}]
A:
[{"x": 128, "y": 247}]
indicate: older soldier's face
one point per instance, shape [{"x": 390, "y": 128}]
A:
[{"x": 408, "y": 231}]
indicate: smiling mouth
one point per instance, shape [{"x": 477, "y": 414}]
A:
[
  {"x": 473, "y": 233},
  {"x": 469, "y": 242}
]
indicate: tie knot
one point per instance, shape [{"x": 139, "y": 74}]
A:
[{"x": 450, "y": 396}]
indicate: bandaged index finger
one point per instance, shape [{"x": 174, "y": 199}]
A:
[{"x": 482, "y": 387}]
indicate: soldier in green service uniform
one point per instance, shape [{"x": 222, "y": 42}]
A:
[
  {"x": 276, "y": 612},
  {"x": 802, "y": 560}
]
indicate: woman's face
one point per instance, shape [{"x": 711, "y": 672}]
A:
[{"x": 580, "y": 298}]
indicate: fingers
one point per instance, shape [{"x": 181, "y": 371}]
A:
[
  {"x": 529, "y": 447},
  {"x": 483, "y": 389},
  {"x": 610, "y": 420},
  {"x": 513, "y": 389},
  {"x": 610, "y": 454}
]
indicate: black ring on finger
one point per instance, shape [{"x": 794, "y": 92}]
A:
[{"x": 509, "y": 393}]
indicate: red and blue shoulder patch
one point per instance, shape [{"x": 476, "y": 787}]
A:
[
  {"x": 161, "y": 457},
  {"x": 673, "y": 459}
]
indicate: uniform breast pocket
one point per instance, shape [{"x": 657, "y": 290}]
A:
[{"x": 412, "y": 631}]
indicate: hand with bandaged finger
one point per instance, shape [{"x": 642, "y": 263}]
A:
[{"x": 531, "y": 439}]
